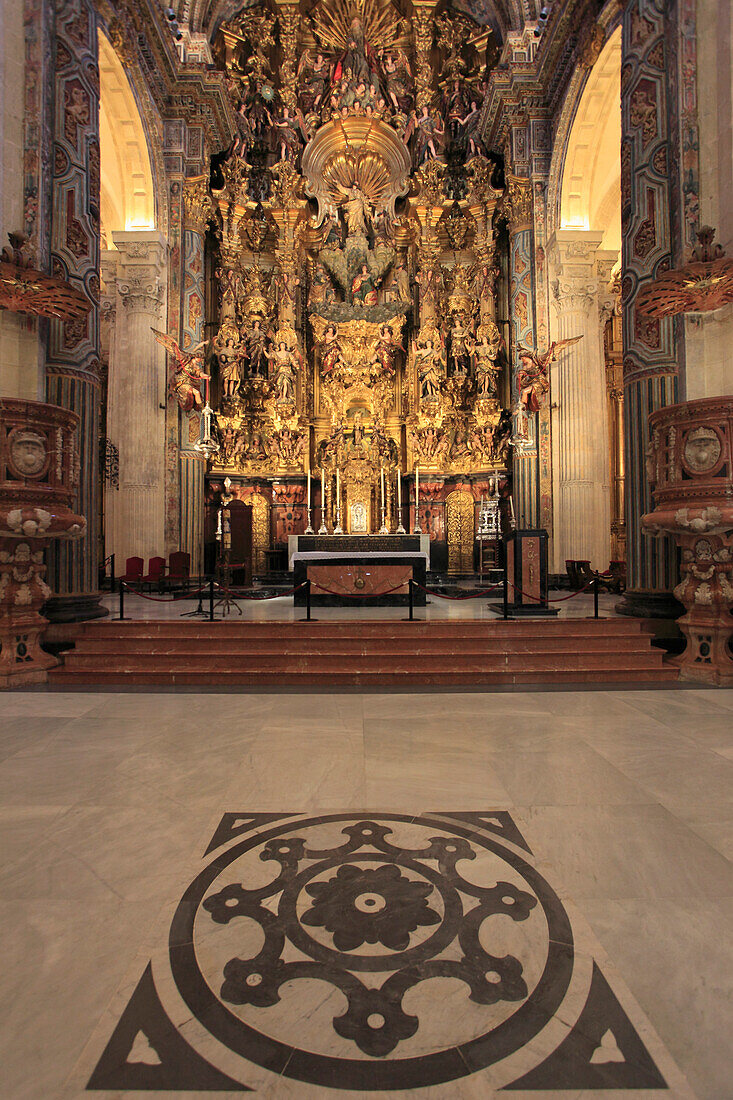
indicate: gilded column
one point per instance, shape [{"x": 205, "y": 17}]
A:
[
  {"x": 521, "y": 312},
  {"x": 196, "y": 213},
  {"x": 72, "y": 362},
  {"x": 136, "y": 400},
  {"x": 650, "y": 354}
]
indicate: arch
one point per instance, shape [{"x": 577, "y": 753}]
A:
[
  {"x": 127, "y": 194},
  {"x": 590, "y": 188}
]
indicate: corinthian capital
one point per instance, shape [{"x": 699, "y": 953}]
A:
[
  {"x": 198, "y": 205},
  {"x": 141, "y": 269},
  {"x": 575, "y": 293}
]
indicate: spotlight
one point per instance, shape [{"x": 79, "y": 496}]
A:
[
  {"x": 544, "y": 14},
  {"x": 170, "y": 13}
]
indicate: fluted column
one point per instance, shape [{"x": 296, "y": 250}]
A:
[
  {"x": 136, "y": 400},
  {"x": 582, "y": 527}
]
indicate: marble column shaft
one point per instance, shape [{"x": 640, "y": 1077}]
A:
[
  {"x": 580, "y": 420},
  {"x": 137, "y": 387}
]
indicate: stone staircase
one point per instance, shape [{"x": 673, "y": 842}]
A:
[{"x": 367, "y": 654}]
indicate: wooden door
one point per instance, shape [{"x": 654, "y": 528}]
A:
[{"x": 459, "y": 522}]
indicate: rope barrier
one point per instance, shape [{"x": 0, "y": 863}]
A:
[
  {"x": 560, "y": 599},
  {"x": 360, "y": 595},
  {"x": 468, "y": 596},
  {"x": 237, "y": 594},
  {"x": 166, "y": 599}
]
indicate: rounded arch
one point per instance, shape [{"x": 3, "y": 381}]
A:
[
  {"x": 590, "y": 188},
  {"x": 127, "y": 194}
]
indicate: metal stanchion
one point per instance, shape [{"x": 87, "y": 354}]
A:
[
  {"x": 211, "y": 599},
  {"x": 308, "y": 601},
  {"x": 595, "y": 598},
  {"x": 411, "y": 598},
  {"x": 122, "y": 599},
  {"x": 506, "y": 592},
  {"x": 112, "y": 572}
]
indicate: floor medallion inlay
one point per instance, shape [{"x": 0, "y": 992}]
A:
[{"x": 374, "y": 952}]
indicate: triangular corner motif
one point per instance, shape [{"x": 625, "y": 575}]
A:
[
  {"x": 232, "y": 825},
  {"x": 577, "y": 1064},
  {"x": 144, "y": 1030},
  {"x": 498, "y": 821}
]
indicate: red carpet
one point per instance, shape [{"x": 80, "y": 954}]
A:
[{"x": 366, "y": 654}]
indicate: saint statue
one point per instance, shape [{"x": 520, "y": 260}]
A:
[
  {"x": 228, "y": 352},
  {"x": 363, "y": 291},
  {"x": 330, "y": 351},
  {"x": 430, "y": 363},
  {"x": 483, "y": 354},
  {"x": 284, "y": 361},
  {"x": 256, "y": 343},
  {"x": 386, "y": 351},
  {"x": 358, "y": 214}
]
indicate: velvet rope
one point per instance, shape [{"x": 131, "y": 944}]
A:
[
  {"x": 560, "y": 599},
  {"x": 236, "y": 595},
  {"x": 166, "y": 599},
  {"x": 359, "y": 595},
  {"x": 468, "y": 596}
]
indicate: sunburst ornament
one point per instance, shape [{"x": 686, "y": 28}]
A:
[
  {"x": 703, "y": 284},
  {"x": 23, "y": 289},
  {"x": 335, "y": 23}
]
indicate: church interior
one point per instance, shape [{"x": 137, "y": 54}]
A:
[{"x": 366, "y": 519}]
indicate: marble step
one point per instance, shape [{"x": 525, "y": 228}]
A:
[
  {"x": 347, "y": 662},
  {"x": 328, "y": 647},
  {"x": 304, "y": 680},
  {"x": 368, "y": 628}
]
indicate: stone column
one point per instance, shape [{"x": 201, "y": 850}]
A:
[
  {"x": 650, "y": 364},
  {"x": 582, "y": 528},
  {"x": 521, "y": 312},
  {"x": 72, "y": 362},
  {"x": 136, "y": 400}
]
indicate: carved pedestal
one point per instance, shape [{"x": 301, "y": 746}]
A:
[
  {"x": 39, "y": 470},
  {"x": 690, "y": 466}
]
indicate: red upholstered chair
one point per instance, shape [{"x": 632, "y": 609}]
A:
[
  {"x": 133, "y": 571},
  {"x": 179, "y": 568},
  {"x": 156, "y": 571}
]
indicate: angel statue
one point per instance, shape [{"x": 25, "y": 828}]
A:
[
  {"x": 532, "y": 379},
  {"x": 284, "y": 361},
  {"x": 430, "y": 363},
  {"x": 187, "y": 373}
]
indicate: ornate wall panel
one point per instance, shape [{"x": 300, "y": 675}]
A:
[
  {"x": 73, "y": 347},
  {"x": 650, "y": 357}
]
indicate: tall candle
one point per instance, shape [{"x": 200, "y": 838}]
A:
[
  {"x": 309, "y": 490},
  {"x": 338, "y": 493},
  {"x": 399, "y": 491},
  {"x": 381, "y": 476},
  {"x": 417, "y": 496}
]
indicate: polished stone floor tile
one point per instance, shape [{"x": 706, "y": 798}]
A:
[{"x": 112, "y": 805}]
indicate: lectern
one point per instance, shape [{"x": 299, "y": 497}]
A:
[{"x": 525, "y": 558}]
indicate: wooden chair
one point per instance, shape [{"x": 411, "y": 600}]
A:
[
  {"x": 156, "y": 572},
  {"x": 179, "y": 569},
  {"x": 133, "y": 571}
]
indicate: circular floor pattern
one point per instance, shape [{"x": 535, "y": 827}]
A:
[{"x": 380, "y": 952}]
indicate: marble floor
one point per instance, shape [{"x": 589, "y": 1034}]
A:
[{"x": 434, "y": 895}]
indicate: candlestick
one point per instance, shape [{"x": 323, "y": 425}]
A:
[
  {"x": 338, "y": 529},
  {"x": 383, "y": 529},
  {"x": 418, "y": 529},
  {"x": 400, "y": 529},
  {"x": 511, "y": 512},
  {"x": 323, "y": 530},
  {"x": 309, "y": 529}
]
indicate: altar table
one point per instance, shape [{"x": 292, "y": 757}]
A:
[{"x": 377, "y": 578}]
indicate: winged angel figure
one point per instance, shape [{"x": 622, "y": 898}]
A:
[
  {"x": 532, "y": 378},
  {"x": 187, "y": 373}
]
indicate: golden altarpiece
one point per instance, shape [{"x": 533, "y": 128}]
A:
[{"x": 356, "y": 276}]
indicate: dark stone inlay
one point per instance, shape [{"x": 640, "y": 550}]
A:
[{"x": 488, "y": 979}]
